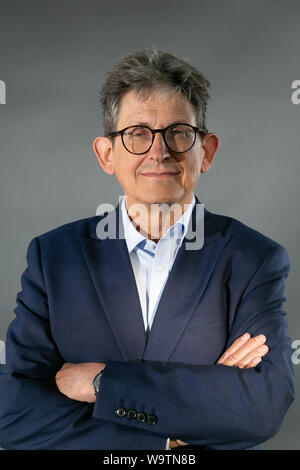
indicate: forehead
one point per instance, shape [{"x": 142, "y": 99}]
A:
[{"x": 160, "y": 108}]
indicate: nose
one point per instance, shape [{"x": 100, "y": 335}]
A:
[{"x": 159, "y": 151}]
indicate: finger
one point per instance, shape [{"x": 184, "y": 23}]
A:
[
  {"x": 234, "y": 347},
  {"x": 173, "y": 444},
  {"x": 259, "y": 352},
  {"x": 66, "y": 365},
  {"x": 254, "y": 363},
  {"x": 181, "y": 443},
  {"x": 251, "y": 345}
]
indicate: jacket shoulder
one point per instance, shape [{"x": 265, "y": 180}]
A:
[
  {"x": 245, "y": 238},
  {"x": 70, "y": 229}
]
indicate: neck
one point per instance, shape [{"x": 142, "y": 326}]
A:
[{"x": 153, "y": 220}]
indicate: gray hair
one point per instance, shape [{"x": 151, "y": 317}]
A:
[{"x": 147, "y": 71}]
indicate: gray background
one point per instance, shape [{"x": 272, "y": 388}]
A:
[{"x": 54, "y": 56}]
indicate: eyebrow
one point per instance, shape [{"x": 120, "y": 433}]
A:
[{"x": 142, "y": 123}]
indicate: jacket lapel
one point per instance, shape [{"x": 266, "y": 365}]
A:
[
  {"x": 185, "y": 286},
  {"x": 113, "y": 278}
]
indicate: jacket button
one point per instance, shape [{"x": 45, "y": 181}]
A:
[
  {"x": 141, "y": 417},
  {"x": 131, "y": 414},
  {"x": 120, "y": 412},
  {"x": 152, "y": 419}
]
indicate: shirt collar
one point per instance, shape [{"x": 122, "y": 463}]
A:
[{"x": 133, "y": 237}]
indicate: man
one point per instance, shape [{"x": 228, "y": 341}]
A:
[{"x": 134, "y": 341}]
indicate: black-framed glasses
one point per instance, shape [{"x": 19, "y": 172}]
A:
[{"x": 178, "y": 137}]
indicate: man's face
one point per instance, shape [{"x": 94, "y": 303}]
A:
[{"x": 160, "y": 175}]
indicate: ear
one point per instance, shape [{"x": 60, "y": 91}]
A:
[
  {"x": 103, "y": 149},
  {"x": 210, "y": 146}
]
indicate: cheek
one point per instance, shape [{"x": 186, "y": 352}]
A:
[
  {"x": 193, "y": 169},
  {"x": 125, "y": 170}
]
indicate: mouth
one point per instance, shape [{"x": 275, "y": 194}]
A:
[{"x": 163, "y": 174}]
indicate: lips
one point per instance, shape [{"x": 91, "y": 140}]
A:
[{"x": 160, "y": 174}]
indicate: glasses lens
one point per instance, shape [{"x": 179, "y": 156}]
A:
[
  {"x": 137, "y": 139},
  {"x": 180, "y": 137}
]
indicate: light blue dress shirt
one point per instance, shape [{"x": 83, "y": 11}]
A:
[{"x": 152, "y": 262}]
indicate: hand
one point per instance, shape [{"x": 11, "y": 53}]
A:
[
  {"x": 176, "y": 443},
  {"x": 76, "y": 380},
  {"x": 245, "y": 352}
]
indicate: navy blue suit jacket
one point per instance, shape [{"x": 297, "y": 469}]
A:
[{"x": 79, "y": 303}]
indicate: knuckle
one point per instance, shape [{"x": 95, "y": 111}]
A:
[
  {"x": 254, "y": 340},
  {"x": 241, "y": 339},
  {"x": 257, "y": 340},
  {"x": 230, "y": 357}
]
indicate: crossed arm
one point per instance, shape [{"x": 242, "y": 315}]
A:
[
  {"x": 225, "y": 406},
  {"x": 76, "y": 380}
]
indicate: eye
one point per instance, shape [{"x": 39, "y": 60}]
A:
[
  {"x": 137, "y": 132},
  {"x": 181, "y": 131},
  {"x": 176, "y": 130}
]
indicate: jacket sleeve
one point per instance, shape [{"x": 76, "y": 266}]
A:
[
  {"x": 33, "y": 413},
  {"x": 215, "y": 405}
]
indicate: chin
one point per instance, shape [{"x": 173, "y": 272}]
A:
[{"x": 161, "y": 198}]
